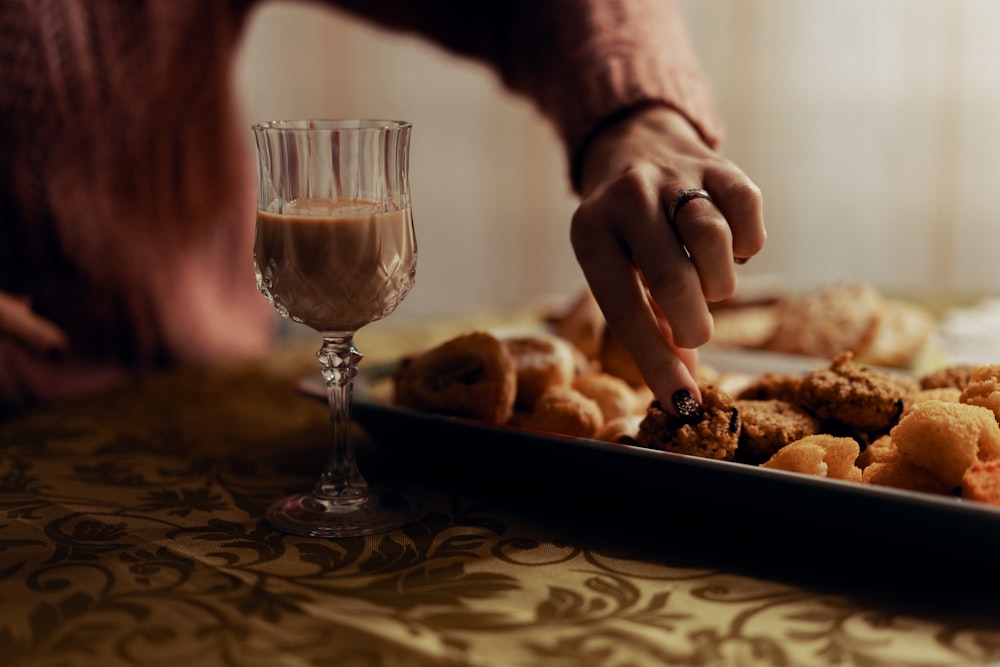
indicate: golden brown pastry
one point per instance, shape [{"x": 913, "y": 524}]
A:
[
  {"x": 855, "y": 395},
  {"x": 564, "y": 411},
  {"x": 767, "y": 426},
  {"x": 616, "y": 360},
  {"x": 945, "y": 438},
  {"x": 981, "y": 481},
  {"x": 952, "y": 394},
  {"x": 615, "y": 397},
  {"x": 540, "y": 361},
  {"x": 956, "y": 375},
  {"x": 778, "y": 386},
  {"x": 983, "y": 388},
  {"x": 822, "y": 455},
  {"x": 712, "y": 434},
  {"x": 898, "y": 473},
  {"x": 828, "y": 320},
  {"x": 582, "y": 325},
  {"x": 882, "y": 464},
  {"x": 621, "y": 430},
  {"x": 903, "y": 330},
  {"x": 748, "y": 327},
  {"x": 878, "y": 451},
  {"x": 471, "y": 375}
]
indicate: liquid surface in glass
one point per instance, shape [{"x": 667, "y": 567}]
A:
[{"x": 335, "y": 265}]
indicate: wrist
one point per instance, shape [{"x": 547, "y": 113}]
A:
[{"x": 651, "y": 120}]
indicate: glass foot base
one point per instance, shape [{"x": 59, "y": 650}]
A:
[{"x": 302, "y": 514}]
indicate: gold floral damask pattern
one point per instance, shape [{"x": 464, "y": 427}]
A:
[{"x": 131, "y": 534}]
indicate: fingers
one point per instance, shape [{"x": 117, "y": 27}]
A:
[
  {"x": 611, "y": 270},
  {"x": 724, "y": 228},
  {"x": 740, "y": 202},
  {"x": 704, "y": 232},
  {"x": 18, "y": 322},
  {"x": 654, "y": 280}
]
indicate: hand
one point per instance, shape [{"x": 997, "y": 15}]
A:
[
  {"x": 19, "y": 323},
  {"x": 652, "y": 280}
]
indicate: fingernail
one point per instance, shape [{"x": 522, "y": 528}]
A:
[
  {"x": 741, "y": 260},
  {"x": 686, "y": 406}
]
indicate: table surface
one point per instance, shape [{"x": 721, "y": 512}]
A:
[{"x": 131, "y": 533}]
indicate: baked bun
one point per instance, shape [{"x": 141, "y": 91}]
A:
[
  {"x": 902, "y": 331},
  {"x": 540, "y": 361},
  {"x": 615, "y": 397},
  {"x": 564, "y": 411},
  {"x": 826, "y": 321},
  {"x": 471, "y": 375}
]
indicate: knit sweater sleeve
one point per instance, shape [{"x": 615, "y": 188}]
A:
[{"x": 582, "y": 62}]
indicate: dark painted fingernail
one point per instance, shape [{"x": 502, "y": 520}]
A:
[
  {"x": 741, "y": 260},
  {"x": 686, "y": 406}
]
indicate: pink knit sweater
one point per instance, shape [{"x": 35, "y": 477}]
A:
[{"x": 126, "y": 196}]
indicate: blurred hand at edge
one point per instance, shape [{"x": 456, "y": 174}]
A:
[{"x": 21, "y": 325}]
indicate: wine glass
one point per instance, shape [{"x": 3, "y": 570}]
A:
[{"x": 335, "y": 249}]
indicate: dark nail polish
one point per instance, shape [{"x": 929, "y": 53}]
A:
[
  {"x": 686, "y": 406},
  {"x": 741, "y": 260}
]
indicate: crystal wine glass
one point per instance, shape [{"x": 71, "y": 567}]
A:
[{"x": 335, "y": 249}]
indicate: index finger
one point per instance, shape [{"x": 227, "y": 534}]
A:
[{"x": 621, "y": 295}]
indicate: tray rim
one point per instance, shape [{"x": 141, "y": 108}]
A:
[{"x": 370, "y": 412}]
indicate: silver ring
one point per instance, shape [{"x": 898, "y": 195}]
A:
[{"x": 681, "y": 198}]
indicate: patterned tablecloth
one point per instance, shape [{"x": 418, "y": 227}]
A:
[{"x": 131, "y": 533}]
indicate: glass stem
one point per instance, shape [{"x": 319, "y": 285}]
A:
[{"x": 341, "y": 482}]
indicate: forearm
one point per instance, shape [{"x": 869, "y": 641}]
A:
[{"x": 584, "y": 63}]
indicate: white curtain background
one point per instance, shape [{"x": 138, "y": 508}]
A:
[{"x": 871, "y": 126}]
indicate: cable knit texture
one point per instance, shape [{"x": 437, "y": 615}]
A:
[{"x": 127, "y": 197}]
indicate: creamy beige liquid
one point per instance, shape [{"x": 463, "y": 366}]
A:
[{"x": 335, "y": 265}]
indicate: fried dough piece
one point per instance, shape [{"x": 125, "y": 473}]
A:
[
  {"x": 767, "y": 426},
  {"x": 822, "y": 455},
  {"x": 946, "y": 438},
  {"x": 643, "y": 396},
  {"x": 621, "y": 430},
  {"x": 956, "y": 376},
  {"x": 903, "y": 329},
  {"x": 860, "y": 397},
  {"x": 582, "y": 325},
  {"x": 826, "y": 321},
  {"x": 714, "y": 434},
  {"x": 776, "y": 386},
  {"x": 882, "y": 464},
  {"x": 471, "y": 375},
  {"x": 981, "y": 481},
  {"x": 616, "y": 360},
  {"x": 878, "y": 451},
  {"x": 748, "y": 327},
  {"x": 901, "y": 474},
  {"x": 983, "y": 388},
  {"x": 615, "y": 397},
  {"x": 564, "y": 411},
  {"x": 950, "y": 394},
  {"x": 540, "y": 361}
]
